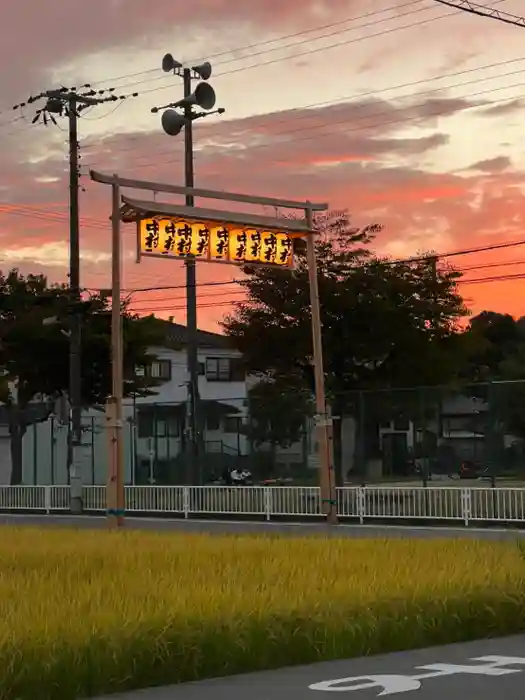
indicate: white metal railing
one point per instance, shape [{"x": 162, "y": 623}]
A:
[{"x": 460, "y": 504}]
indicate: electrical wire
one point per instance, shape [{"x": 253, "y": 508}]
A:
[
  {"x": 350, "y": 99},
  {"x": 317, "y": 49},
  {"x": 308, "y": 131},
  {"x": 305, "y": 32}
]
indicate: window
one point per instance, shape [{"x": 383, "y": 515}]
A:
[
  {"x": 158, "y": 422},
  {"x": 213, "y": 423},
  {"x": 201, "y": 369},
  {"x": 470, "y": 423},
  {"x": 232, "y": 424},
  {"x": 224, "y": 369},
  {"x": 158, "y": 369}
]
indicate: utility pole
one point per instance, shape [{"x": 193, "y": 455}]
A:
[
  {"x": 75, "y": 341},
  {"x": 70, "y": 102},
  {"x": 173, "y": 123},
  {"x": 323, "y": 419},
  {"x": 191, "y": 294}
]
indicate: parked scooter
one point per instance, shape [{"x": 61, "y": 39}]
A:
[
  {"x": 234, "y": 477},
  {"x": 241, "y": 477}
]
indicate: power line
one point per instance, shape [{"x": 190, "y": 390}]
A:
[
  {"x": 312, "y": 51},
  {"x": 439, "y": 111},
  {"x": 227, "y": 296},
  {"x": 483, "y": 11},
  {"x": 372, "y": 93},
  {"x": 462, "y": 252},
  {"x": 246, "y": 47},
  {"x": 178, "y": 286},
  {"x": 333, "y": 46},
  {"x": 504, "y": 263},
  {"x": 249, "y": 47},
  {"x": 496, "y": 278}
]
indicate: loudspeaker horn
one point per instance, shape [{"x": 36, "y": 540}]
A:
[
  {"x": 203, "y": 69},
  {"x": 203, "y": 96},
  {"x": 169, "y": 64},
  {"x": 172, "y": 122}
]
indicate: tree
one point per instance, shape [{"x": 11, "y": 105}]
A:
[
  {"x": 495, "y": 372},
  {"x": 279, "y": 406},
  {"x": 385, "y": 324},
  {"x": 34, "y": 357},
  {"x": 493, "y": 340}
]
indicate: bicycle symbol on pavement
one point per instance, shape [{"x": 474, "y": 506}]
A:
[{"x": 393, "y": 684}]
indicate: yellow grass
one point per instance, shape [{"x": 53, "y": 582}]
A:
[{"x": 83, "y": 613}]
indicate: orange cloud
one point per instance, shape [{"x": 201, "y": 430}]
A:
[{"x": 375, "y": 172}]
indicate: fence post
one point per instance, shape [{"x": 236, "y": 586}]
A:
[
  {"x": 35, "y": 454},
  {"x": 47, "y": 499},
  {"x": 361, "y": 451},
  {"x": 186, "y": 506},
  {"x": 361, "y": 504},
  {"x": 466, "y": 506},
  {"x": 267, "y": 503}
]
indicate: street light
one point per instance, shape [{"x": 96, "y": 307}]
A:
[{"x": 173, "y": 122}]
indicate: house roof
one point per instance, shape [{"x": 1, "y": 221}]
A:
[{"x": 177, "y": 335}]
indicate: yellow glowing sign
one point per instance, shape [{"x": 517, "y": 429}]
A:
[{"x": 175, "y": 238}]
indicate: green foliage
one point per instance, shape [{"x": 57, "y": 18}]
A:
[
  {"x": 496, "y": 361},
  {"x": 384, "y": 323},
  {"x": 279, "y": 406},
  {"x": 34, "y": 356}
]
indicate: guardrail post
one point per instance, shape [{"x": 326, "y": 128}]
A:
[
  {"x": 47, "y": 499},
  {"x": 466, "y": 506},
  {"x": 361, "y": 504},
  {"x": 186, "y": 501},
  {"x": 267, "y": 503}
]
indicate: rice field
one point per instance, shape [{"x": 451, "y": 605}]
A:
[{"x": 84, "y": 613}]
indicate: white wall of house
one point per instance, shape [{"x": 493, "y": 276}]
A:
[
  {"x": 215, "y": 384},
  {"x": 5, "y": 456},
  {"x": 45, "y": 444}
]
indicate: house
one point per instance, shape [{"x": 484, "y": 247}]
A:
[
  {"x": 396, "y": 438},
  {"x": 154, "y": 431},
  {"x": 450, "y": 427}
]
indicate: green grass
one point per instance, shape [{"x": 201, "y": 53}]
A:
[{"x": 85, "y": 613}]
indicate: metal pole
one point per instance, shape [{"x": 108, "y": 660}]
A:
[
  {"x": 191, "y": 299},
  {"x": 75, "y": 368},
  {"x": 116, "y": 507},
  {"x": 323, "y": 421}
]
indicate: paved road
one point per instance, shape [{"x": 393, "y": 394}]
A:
[
  {"x": 481, "y": 670},
  {"x": 276, "y": 528}
]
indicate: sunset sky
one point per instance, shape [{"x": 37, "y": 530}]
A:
[{"x": 407, "y": 113}]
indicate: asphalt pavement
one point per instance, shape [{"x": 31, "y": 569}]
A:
[
  {"x": 481, "y": 670},
  {"x": 223, "y": 527}
]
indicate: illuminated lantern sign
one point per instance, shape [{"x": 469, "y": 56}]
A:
[{"x": 176, "y": 238}]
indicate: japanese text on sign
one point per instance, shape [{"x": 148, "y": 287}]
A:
[{"x": 216, "y": 243}]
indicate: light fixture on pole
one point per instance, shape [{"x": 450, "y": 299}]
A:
[{"x": 173, "y": 122}]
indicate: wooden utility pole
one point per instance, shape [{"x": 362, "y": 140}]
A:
[
  {"x": 323, "y": 421},
  {"x": 70, "y": 102},
  {"x": 115, "y": 486}
]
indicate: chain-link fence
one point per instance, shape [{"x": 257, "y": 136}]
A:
[
  {"x": 431, "y": 433},
  {"x": 417, "y": 434}
]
